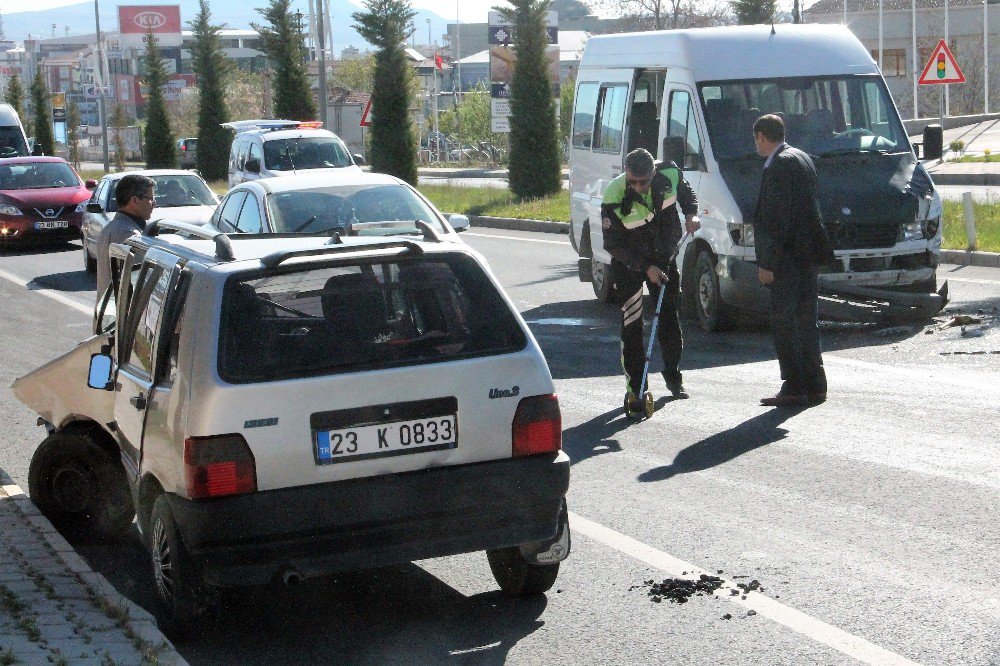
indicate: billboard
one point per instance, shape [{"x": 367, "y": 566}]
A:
[
  {"x": 503, "y": 43},
  {"x": 135, "y": 22}
]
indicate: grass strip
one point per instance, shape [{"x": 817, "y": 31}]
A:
[
  {"x": 494, "y": 202},
  {"x": 987, "y": 226}
]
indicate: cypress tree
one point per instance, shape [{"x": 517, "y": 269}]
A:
[
  {"x": 211, "y": 67},
  {"x": 284, "y": 44},
  {"x": 43, "y": 120},
  {"x": 754, "y": 12},
  {"x": 535, "y": 169},
  {"x": 159, "y": 138},
  {"x": 385, "y": 25},
  {"x": 15, "y": 95},
  {"x": 72, "y": 123},
  {"x": 119, "y": 123}
]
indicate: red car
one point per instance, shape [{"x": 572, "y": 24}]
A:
[{"x": 41, "y": 199}]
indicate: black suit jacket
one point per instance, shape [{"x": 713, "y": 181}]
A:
[{"x": 788, "y": 226}]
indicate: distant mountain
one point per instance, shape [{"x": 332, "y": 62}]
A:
[{"x": 236, "y": 14}]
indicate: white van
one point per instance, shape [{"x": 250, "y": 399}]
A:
[
  {"x": 692, "y": 96},
  {"x": 274, "y": 148},
  {"x": 13, "y": 142}
]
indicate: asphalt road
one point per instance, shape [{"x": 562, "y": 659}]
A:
[{"x": 869, "y": 521}]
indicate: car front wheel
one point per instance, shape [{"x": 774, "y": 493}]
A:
[
  {"x": 713, "y": 314},
  {"x": 602, "y": 281}
]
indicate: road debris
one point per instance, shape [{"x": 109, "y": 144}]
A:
[
  {"x": 969, "y": 332},
  {"x": 679, "y": 590},
  {"x": 892, "y": 331},
  {"x": 961, "y": 320}
]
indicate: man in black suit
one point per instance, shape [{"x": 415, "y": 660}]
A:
[{"x": 791, "y": 243}]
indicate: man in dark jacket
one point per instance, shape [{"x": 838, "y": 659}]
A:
[
  {"x": 134, "y": 197},
  {"x": 791, "y": 243},
  {"x": 641, "y": 230}
]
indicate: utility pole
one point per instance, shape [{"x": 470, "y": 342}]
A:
[
  {"x": 101, "y": 111},
  {"x": 322, "y": 73}
]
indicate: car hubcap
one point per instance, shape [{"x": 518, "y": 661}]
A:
[
  {"x": 597, "y": 273},
  {"x": 163, "y": 562},
  {"x": 73, "y": 489},
  {"x": 705, "y": 291}
]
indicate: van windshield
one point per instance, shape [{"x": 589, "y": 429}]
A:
[
  {"x": 344, "y": 318},
  {"x": 824, "y": 116},
  {"x": 305, "y": 153},
  {"x": 12, "y": 142}
]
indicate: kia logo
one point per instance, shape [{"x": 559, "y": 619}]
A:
[{"x": 150, "y": 20}]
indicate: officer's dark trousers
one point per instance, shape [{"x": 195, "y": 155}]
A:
[
  {"x": 668, "y": 333},
  {"x": 794, "y": 312}
]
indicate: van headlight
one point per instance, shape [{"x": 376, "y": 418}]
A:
[
  {"x": 742, "y": 234},
  {"x": 931, "y": 227},
  {"x": 7, "y": 209},
  {"x": 909, "y": 231}
]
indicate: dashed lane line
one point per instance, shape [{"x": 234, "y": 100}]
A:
[
  {"x": 853, "y": 646},
  {"x": 517, "y": 238},
  {"x": 51, "y": 293}
]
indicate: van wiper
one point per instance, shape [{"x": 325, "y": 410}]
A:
[{"x": 851, "y": 151}]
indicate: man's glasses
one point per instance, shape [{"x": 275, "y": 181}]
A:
[
  {"x": 638, "y": 182},
  {"x": 147, "y": 197}
]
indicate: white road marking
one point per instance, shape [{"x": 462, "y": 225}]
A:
[
  {"x": 927, "y": 376},
  {"x": 54, "y": 295},
  {"x": 817, "y": 630},
  {"x": 517, "y": 238},
  {"x": 971, "y": 280}
]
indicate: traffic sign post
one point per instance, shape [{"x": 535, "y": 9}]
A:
[{"x": 941, "y": 68}]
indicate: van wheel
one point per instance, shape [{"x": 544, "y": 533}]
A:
[
  {"x": 89, "y": 261},
  {"x": 713, "y": 314},
  {"x": 74, "y": 482},
  {"x": 185, "y": 596},
  {"x": 602, "y": 281},
  {"x": 517, "y": 576}
]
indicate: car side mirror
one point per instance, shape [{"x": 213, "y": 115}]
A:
[
  {"x": 359, "y": 159},
  {"x": 94, "y": 207},
  {"x": 37, "y": 150},
  {"x": 100, "y": 372},
  {"x": 459, "y": 222},
  {"x": 90, "y": 184},
  {"x": 253, "y": 165}
]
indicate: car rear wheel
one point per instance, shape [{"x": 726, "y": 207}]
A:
[
  {"x": 602, "y": 281},
  {"x": 184, "y": 595},
  {"x": 517, "y": 576},
  {"x": 89, "y": 261},
  {"x": 74, "y": 482}
]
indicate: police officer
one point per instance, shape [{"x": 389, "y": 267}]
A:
[{"x": 641, "y": 230}]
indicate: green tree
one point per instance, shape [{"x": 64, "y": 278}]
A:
[
  {"x": 119, "y": 123},
  {"x": 357, "y": 74},
  {"x": 385, "y": 25},
  {"x": 754, "y": 12},
  {"x": 535, "y": 168},
  {"x": 211, "y": 67},
  {"x": 15, "y": 95},
  {"x": 159, "y": 137},
  {"x": 284, "y": 44},
  {"x": 43, "y": 119},
  {"x": 567, "y": 95},
  {"x": 72, "y": 124}
]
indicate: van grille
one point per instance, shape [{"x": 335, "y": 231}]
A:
[{"x": 855, "y": 236}]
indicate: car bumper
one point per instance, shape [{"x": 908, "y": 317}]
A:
[
  {"x": 363, "y": 523},
  {"x": 24, "y": 231}
]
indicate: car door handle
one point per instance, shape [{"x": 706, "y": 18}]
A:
[{"x": 139, "y": 402}]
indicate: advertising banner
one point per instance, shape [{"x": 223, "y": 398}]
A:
[
  {"x": 135, "y": 22},
  {"x": 503, "y": 41}
]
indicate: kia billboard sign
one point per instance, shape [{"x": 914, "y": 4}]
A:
[{"x": 160, "y": 19}]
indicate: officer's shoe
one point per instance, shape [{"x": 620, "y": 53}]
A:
[{"x": 675, "y": 384}]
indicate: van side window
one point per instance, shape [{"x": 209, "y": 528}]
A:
[
  {"x": 242, "y": 157},
  {"x": 682, "y": 123},
  {"x": 255, "y": 151},
  {"x": 583, "y": 115},
  {"x": 611, "y": 102},
  {"x": 249, "y": 220}
]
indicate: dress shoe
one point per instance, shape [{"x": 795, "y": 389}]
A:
[
  {"x": 816, "y": 397},
  {"x": 675, "y": 384},
  {"x": 785, "y": 400}
]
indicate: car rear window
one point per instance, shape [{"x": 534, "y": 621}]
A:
[{"x": 335, "y": 319}]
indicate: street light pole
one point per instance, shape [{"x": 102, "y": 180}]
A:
[{"x": 101, "y": 111}]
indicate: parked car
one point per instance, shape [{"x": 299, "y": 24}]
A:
[
  {"x": 187, "y": 152},
  {"x": 287, "y": 409},
  {"x": 276, "y": 148},
  {"x": 344, "y": 202},
  {"x": 181, "y": 196},
  {"x": 42, "y": 200}
]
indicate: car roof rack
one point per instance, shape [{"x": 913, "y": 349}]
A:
[
  {"x": 275, "y": 259},
  {"x": 223, "y": 246}
]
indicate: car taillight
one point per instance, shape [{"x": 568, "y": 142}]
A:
[
  {"x": 219, "y": 466},
  {"x": 537, "y": 426}
]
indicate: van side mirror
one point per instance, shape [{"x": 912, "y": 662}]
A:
[
  {"x": 674, "y": 149},
  {"x": 90, "y": 184},
  {"x": 933, "y": 142},
  {"x": 359, "y": 159},
  {"x": 100, "y": 372},
  {"x": 458, "y": 222},
  {"x": 37, "y": 150},
  {"x": 253, "y": 164},
  {"x": 94, "y": 207}
]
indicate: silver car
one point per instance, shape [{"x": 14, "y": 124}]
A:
[
  {"x": 279, "y": 408},
  {"x": 181, "y": 196}
]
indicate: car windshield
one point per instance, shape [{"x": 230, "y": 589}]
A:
[
  {"x": 332, "y": 319},
  {"x": 824, "y": 116},
  {"x": 358, "y": 208},
  {"x": 321, "y": 152},
  {"x": 12, "y": 142},
  {"x": 37, "y": 175},
  {"x": 182, "y": 190}
]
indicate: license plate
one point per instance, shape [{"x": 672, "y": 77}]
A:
[
  {"x": 386, "y": 439},
  {"x": 51, "y": 224}
]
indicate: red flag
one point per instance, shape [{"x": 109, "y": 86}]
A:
[{"x": 438, "y": 61}]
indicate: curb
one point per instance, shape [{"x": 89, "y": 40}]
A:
[
  {"x": 140, "y": 625},
  {"x": 971, "y": 179},
  {"x": 971, "y": 258},
  {"x": 518, "y": 224}
]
